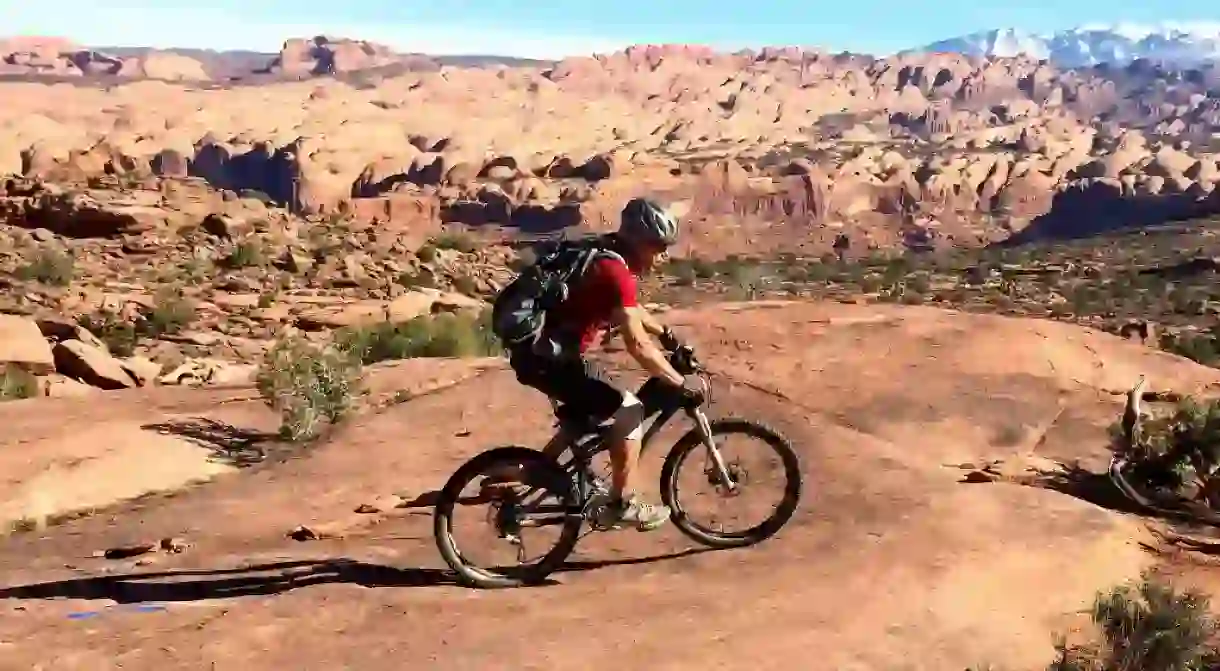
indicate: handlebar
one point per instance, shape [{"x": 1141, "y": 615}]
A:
[{"x": 683, "y": 360}]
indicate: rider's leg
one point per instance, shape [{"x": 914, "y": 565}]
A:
[
  {"x": 623, "y": 440},
  {"x": 580, "y": 385}
]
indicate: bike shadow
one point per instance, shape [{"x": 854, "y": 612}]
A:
[{"x": 192, "y": 585}]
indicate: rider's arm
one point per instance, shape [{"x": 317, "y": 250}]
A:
[
  {"x": 631, "y": 321},
  {"x": 651, "y": 325}
]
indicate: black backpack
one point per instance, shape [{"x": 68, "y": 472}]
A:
[{"x": 518, "y": 314}]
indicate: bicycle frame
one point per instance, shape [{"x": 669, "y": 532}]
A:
[{"x": 657, "y": 401}]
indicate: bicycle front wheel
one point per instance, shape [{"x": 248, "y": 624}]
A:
[{"x": 760, "y": 441}]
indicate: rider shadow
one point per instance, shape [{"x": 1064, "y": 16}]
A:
[
  {"x": 202, "y": 585},
  {"x": 192, "y": 585}
]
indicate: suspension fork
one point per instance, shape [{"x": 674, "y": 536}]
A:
[{"x": 704, "y": 427}]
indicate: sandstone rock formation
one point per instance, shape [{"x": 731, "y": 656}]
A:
[
  {"x": 775, "y": 148},
  {"x": 53, "y": 57}
]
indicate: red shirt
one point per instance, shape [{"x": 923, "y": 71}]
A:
[{"x": 607, "y": 285}]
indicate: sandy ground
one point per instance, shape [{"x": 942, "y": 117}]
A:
[{"x": 892, "y": 562}]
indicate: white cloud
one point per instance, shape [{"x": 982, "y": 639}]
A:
[{"x": 95, "y": 23}]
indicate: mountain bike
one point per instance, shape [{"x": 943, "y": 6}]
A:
[{"x": 571, "y": 484}]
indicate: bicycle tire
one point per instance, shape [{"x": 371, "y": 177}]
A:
[
  {"x": 536, "y": 462},
  {"x": 760, "y": 532}
]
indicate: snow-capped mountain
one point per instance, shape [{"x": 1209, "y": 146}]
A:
[{"x": 1182, "y": 43}]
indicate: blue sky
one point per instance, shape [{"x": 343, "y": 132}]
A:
[{"x": 548, "y": 28}]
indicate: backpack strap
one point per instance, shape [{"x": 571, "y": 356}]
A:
[{"x": 597, "y": 249}]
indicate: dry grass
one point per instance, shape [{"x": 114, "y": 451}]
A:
[
  {"x": 441, "y": 335},
  {"x": 311, "y": 387},
  {"x": 17, "y": 384}
]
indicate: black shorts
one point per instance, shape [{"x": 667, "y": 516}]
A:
[{"x": 573, "y": 382}]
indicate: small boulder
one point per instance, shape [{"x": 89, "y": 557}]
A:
[
  {"x": 210, "y": 371},
  {"x": 91, "y": 365},
  {"x": 429, "y": 301},
  {"x": 61, "y": 386},
  {"x": 22, "y": 344},
  {"x": 142, "y": 370},
  {"x": 59, "y": 331}
]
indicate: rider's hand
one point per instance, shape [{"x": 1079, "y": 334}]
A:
[
  {"x": 694, "y": 388},
  {"x": 669, "y": 341}
]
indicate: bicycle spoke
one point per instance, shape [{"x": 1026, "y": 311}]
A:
[{"x": 756, "y": 500}]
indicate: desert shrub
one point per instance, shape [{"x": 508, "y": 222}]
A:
[
  {"x": 171, "y": 313},
  {"x": 245, "y": 254},
  {"x": 1203, "y": 348},
  {"x": 427, "y": 253},
  {"x": 440, "y": 335},
  {"x": 465, "y": 284},
  {"x": 704, "y": 269},
  {"x": 794, "y": 272},
  {"x": 457, "y": 241},
  {"x": 819, "y": 271},
  {"x": 416, "y": 280},
  {"x": 746, "y": 278},
  {"x": 17, "y": 384},
  {"x": 1178, "y": 452},
  {"x": 310, "y": 387},
  {"x": 49, "y": 266},
  {"x": 920, "y": 282},
  {"x": 119, "y": 335},
  {"x": 1146, "y": 627},
  {"x": 682, "y": 270}
]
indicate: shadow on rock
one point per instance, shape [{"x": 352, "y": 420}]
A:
[
  {"x": 1083, "y": 484},
  {"x": 201, "y": 585},
  {"x": 267, "y": 579},
  {"x": 1097, "y": 207},
  {"x": 229, "y": 444}
]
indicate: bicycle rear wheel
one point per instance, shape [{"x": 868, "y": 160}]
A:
[
  {"x": 546, "y": 497},
  {"x": 763, "y": 437}
]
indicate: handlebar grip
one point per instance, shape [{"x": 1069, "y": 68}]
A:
[
  {"x": 683, "y": 360},
  {"x": 669, "y": 341}
]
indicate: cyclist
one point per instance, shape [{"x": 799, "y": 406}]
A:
[{"x": 607, "y": 296}]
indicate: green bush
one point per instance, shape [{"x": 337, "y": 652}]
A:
[
  {"x": 245, "y": 254},
  {"x": 682, "y": 270},
  {"x": 440, "y": 335},
  {"x": 427, "y": 253},
  {"x": 416, "y": 280},
  {"x": 457, "y": 241},
  {"x": 170, "y": 314},
  {"x": 17, "y": 384},
  {"x": 49, "y": 266},
  {"x": 1146, "y": 627},
  {"x": 310, "y": 387},
  {"x": 1178, "y": 452},
  {"x": 465, "y": 284},
  {"x": 1203, "y": 348},
  {"x": 119, "y": 335}
]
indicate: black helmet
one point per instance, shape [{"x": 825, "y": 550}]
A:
[{"x": 643, "y": 220}]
